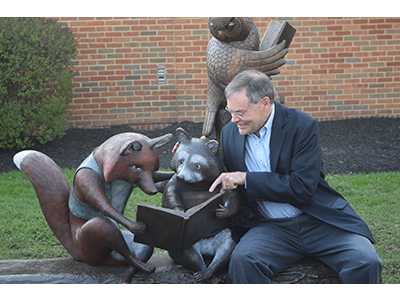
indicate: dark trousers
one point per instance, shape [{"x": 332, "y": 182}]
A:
[{"x": 274, "y": 245}]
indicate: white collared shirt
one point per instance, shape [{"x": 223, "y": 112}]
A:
[{"x": 257, "y": 159}]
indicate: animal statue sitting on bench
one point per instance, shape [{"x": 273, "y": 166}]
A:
[
  {"x": 85, "y": 218},
  {"x": 197, "y": 164}
]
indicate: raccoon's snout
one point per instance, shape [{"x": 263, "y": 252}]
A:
[
  {"x": 180, "y": 178},
  {"x": 191, "y": 178}
]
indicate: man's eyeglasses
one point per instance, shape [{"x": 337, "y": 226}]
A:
[{"x": 239, "y": 114}]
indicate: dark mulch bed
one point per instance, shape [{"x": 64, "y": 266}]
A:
[{"x": 356, "y": 145}]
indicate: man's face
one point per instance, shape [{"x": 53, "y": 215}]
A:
[{"x": 256, "y": 115}]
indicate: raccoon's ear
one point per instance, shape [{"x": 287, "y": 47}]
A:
[
  {"x": 129, "y": 147},
  {"x": 213, "y": 146},
  {"x": 182, "y": 135}
]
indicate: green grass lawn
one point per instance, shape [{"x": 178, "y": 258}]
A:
[
  {"x": 26, "y": 235},
  {"x": 376, "y": 199}
]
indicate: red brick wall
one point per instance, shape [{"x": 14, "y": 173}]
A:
[
  {"x": 336, "y": 68},
  {"x": 341, "y": 68}
]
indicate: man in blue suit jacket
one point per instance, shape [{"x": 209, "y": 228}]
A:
[{"x": 273, "y": 157}]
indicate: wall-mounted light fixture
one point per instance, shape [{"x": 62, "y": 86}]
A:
[{"x": 161, "y": 76}]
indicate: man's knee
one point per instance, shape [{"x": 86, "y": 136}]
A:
[
  {"x": 366, "y": 267},
  {"x": 241, "y": 256},
  {"x": 246, "y": 266},
  {"x": 246, "y": 254},
  {"x": 374, "y": 266},
  {"x": 369, "y": 258}
]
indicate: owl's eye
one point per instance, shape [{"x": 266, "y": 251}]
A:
[{"x": 198, "y": 167}]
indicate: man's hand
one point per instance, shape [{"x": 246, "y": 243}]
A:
[
  {"x": 229, "y": 181},
  {"x": 175, "y": 147}
]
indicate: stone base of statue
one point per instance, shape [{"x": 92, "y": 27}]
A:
[
  {"x": 68, "y": 270},
  {"x": 307, "y": 270}
]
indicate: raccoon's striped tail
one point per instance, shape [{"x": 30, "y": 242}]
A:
[{"x": 52, "y": 190}]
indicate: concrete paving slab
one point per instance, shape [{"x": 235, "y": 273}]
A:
[{"x": 70, "y": 271}]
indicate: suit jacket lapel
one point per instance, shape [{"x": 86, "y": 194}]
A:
[
  {"x": 277, "y": 135},
  {"x": 239, "y": 145}
]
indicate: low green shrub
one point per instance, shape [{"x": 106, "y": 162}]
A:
[{"x": 36, "y": 84}]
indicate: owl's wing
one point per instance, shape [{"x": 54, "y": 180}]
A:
[
  {"x": 267, "y": 61},
  {"x": 225, "y": 61}
]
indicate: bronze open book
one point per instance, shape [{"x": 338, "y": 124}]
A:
[
  {"x": 175, "y": 230},
  {"x": 276, "y": 33}
]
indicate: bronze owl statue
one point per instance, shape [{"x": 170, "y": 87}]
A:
[{"x": 234, "y": 47}]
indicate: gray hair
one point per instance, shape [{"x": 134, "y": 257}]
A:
[{"x": 257, "y": 85}]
